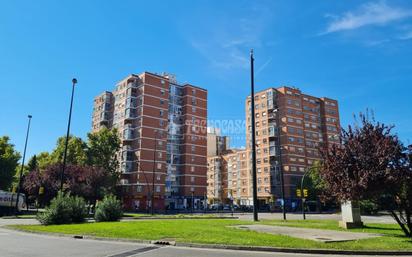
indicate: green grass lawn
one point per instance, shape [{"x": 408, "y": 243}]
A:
[
  {"x": 216, "y": 231},
  {"x": 169, "y": 216}
]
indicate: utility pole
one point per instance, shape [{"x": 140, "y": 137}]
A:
[
  {"x": 22, "y": 165},
  {"x": 252, "y": 88}
]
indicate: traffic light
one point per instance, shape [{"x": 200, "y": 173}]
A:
[
  {"x": 305, "y": 193},
  {"x": 41, "y": 190},
  {"x": 298, "y": 193}
]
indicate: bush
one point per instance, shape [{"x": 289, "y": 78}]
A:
[
  {"x": 110, "y": 209},
  {"x": 64, "y": 209},
  {"x": 368, "y": 207}
]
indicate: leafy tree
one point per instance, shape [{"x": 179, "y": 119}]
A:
[
  {"x": 9, "y": 160},
  {"x": 43, "y": 160},
  {"x": 76, "y": 151},
  {"x": 88, "y": 182},
  {"x": 102, "y": 149},
  {"x": 370, "y": 165},
  {"x": 32, "y": 164}
]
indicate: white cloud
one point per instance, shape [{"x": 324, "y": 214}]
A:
[
  {"x": 378, "y": 13},
  {"x": 226, "y": 42},
  {"x": 406, "y": 36}
]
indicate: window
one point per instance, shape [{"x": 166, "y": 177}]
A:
[
  {"x": 157, "y": 189},
  {"x": 162, "y": 92},
  {"x": 161, "y": 113},
  {"x": 158, "y": 177},
  {"x": 162, "y": 101},
  {"x": 192, "y": 168},
  {"x": 159, "y": 166},
  {"x": 193, "y": 148},
  {"x": 192, "y": 179}
]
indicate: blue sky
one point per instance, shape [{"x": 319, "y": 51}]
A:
[{"x": 356, "y": 52}]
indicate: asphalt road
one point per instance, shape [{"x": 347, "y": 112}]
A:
[{"x": 19, "y": 244}]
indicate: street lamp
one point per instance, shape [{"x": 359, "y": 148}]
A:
[
  {"x": 153, "y": 173},
  {"x": 22, "y": 164},
  {"x": 252, "y": 89},
  {"x": 193, "y": 199},
  {"x": 74, "y": 82},
  {"x": 282, "y": 180},
  {"x": 301, "y": 191}
]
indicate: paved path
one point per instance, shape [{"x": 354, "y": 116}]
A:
[
  {"x": 309, "y": 233},
  {"x": 385, "y": 219},
  {"x": 19, "y": 244}
]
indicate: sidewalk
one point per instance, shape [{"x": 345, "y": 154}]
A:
[{"x": 309, "y": 233}]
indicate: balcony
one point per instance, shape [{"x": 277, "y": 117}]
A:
[
  {"x": 272, "y": 151},
  {"x": 127, "y": 167},
  {"x": 131, "y": 113},
  {"x": 131, "y": 102},
  {"x": 129, "y": 133},
  {"x": 104, "y": 117}
]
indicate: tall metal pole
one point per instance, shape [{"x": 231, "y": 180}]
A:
[
  {"x": 153, "y": 174},
  {"x": 282, "y": 179},
  {"x": 22, "y": 165},
  {"x": 301, "y": 192},
  {"x": 252, "y": 88},
  {"x": 74, "y": 82}
]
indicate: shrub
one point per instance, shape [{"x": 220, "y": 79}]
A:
[
  {"x": 78, "y": 209},
  {"x": 110, "y": 209},
  {"x": 368, "y": 207},
  {"x": 64, "y": 209}
]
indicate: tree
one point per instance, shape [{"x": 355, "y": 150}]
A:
[
  {"x": 76, "y": 151},
  {"x": 102, "y": 149},
  {"x": 9, "y": 161},
  {"x": 370, "y": 164},
  {"x": 43, "y": 160},
  {"x": 32, "y": 164},
  {"x": 88, "y": 182}
]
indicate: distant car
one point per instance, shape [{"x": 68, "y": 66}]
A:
[{"x": 226, "y": 207}]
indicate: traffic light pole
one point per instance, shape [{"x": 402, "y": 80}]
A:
[{"x": 303, "y": 195}]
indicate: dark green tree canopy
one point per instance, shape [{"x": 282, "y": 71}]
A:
[
  {"x": 102, "y": 149},
  {"x": 9, "y": 160}
]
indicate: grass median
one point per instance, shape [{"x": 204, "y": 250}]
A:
[{"x": 220, "y": 232}]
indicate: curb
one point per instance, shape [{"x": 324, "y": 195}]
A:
[
  {"x": 226, "y": 247},
  {"x": 185, "y": 218},
  {"x": 295, "y": 250}
]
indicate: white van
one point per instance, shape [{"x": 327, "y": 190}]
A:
[{"x": 8, "y": 201}]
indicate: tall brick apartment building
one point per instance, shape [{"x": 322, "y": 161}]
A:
[
  {"x": 162, "y": 126},
  {"x": 290, "y": 129}
]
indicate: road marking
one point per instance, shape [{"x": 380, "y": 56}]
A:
[
  {"x": 134, "y": 252},
  {"x": 3, "y": 234}
]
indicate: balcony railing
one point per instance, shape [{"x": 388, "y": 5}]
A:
[{"x": 127, "y": 166}]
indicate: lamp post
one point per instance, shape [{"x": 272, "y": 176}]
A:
[
  {"x": 74, "y": 82},
  {"x": 301, "y": 191},
  {"x": 282, "y": 180},
  {"x": 193, "y": 199},
  {"x": 22, "y": 164},
  {"x": 153, "y": 174},
  {"x": 252, "y": 89}
]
